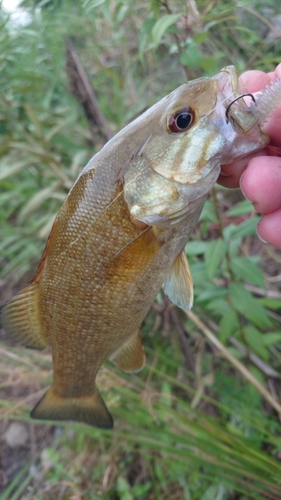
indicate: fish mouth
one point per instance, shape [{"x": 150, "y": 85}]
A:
[{"x": 241, "y": 117}]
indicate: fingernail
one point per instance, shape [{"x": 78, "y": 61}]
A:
[
  {"x": 245, "y": 195},
  {"x": 242, "y": 189},
  {"x": 259, "y": 236}
]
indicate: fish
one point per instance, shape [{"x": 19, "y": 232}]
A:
[{"x": 120, "y": 235}]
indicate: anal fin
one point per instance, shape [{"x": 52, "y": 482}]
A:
[
  {"x": 88, "y": 409},
  {"x": 130, "y": 357},
  {"x": 178, "y": 285},
  {"x": 21, "y": 320}
]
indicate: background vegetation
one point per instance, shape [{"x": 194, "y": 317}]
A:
[{"x": 192, "y": 425}]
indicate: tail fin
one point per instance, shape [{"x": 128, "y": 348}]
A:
[
  {"x": 21, "y": 318},
  {"x": 89, "y": 409}
]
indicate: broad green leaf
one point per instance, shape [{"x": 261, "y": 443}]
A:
[
  {"x": 270, "y": 303},
  {"x": 198, "y": 273},
  {"x": 234, "y": 247},
  {"x": 259, "y": 375},
  {"x": 173, "y": 29},
  {"x": 7, "y": 185},
  {"x": 247, "y": 270},
  {"x": 123, "y": 488},
  {"x": 270, "y": 338},
  {"x": 212, "y": 291},
  {"x": 191, "y": 57},
  {"x": 141, "y": 490},
  {"x": 229, "y": 325},
  {"x": 241, "y": 208},
  {"x": 144, "y": 33},
  {"x": 148, "y": 26},
  {"x": 219, "y": 307},
  {"x": 155, "y": 6},
  {"x": 245, "y": 304},
  {"x": 161, "y": 26},
  {"x": 254, "y": 340},
  {"x": 214, "y": 253},
  {"x": 195, "y": 247},
  {"x": 209, "y": 65},
  {"x": 235, "y": 352},
  {"x": 200, "y": 37},
  {"x": 208, "y": 213},
  {"x": 246, "y": 228}
]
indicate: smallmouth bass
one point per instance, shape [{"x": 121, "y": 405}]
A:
[{"x": 120, "y": 235}]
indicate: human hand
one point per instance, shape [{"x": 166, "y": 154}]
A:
[{"x": 259, "y": 175}]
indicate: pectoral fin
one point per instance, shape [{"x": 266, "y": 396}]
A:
[
  {"x": 21, "y": 318},
  {"x": 178, "y": 285},
  {"x": 130, "y": 357}
]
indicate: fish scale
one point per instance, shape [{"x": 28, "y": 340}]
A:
[{"x": 120, "y": 235}]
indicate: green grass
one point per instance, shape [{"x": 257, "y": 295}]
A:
[{"x": 157, "y": 426}]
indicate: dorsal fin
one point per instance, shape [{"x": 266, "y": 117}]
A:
[{"x": 178, "y": 285}]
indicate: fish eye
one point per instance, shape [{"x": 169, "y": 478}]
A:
[{"x": 181, "y": 120}]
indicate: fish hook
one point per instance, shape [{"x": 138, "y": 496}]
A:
[{"x": 234, "y": 100}]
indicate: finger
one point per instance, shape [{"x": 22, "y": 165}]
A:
[
  {"x": 253, "y": 81},
  {"x": 273, "y": 126},
  {"x": 231, "y": 173},
  {"x": 269, "y": 228},
  {"x": 261, "y": 183},
  {"x": 275, "y": 73}
]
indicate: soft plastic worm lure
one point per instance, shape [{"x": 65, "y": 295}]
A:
[
  {"x": 263, "y": 105},
  {"x": 267, "y": 101}
]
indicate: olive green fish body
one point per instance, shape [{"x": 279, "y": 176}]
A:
[
  {"x": 120, "y": 235},
  {"x": 107, "y": 271}
]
